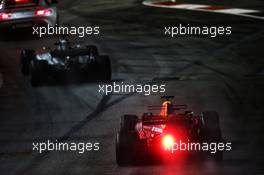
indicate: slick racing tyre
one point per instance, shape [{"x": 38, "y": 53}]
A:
[
  {"x": 126, "y": 143},
  {"x": 212, "y": 131},
  {"x": 105, "y": 68},
  {"x": 128, "y": 123},
  {"x": 25, "y": 58},
  {"x": 126, "y": 140},
  {"x": 38, "y": 72},
  {"x": 122, "y": 149}
]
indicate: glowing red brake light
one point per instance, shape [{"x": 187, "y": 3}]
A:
[
  {"x": 168, "y": 142},
  {"x": 40, "y": 12},
  {"x": 4, "y": 16},
  {"x": 45, "y": 12}
]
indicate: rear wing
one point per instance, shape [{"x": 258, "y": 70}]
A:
[
  {"x": 153, "y": 120},
  {"x": 175, "y": 107}
]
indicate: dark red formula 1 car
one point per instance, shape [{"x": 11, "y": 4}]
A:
[{"x": 173, "y": 132}]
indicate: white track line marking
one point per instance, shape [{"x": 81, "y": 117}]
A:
[
  {"x": 188, "y": 6},
  {"x": 236, "y": 11},
  {"x": 205, "y": 8}
]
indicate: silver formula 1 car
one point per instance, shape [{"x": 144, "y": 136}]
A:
[
  {"x": 28, "y": 13},
  {"x": 82, "y": 61}
]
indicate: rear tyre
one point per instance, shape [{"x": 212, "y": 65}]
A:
[
  {"x": 105, "y": 68},
  {"x": 212, "y": 132},
  {"x": 128, "y": 123},
  {"x": 122, "y": 147},
  {"x": 25, "y": 58},
  {"x": 126, "y": 140}
]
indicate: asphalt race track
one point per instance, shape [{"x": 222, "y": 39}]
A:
[{"x": 225, "y": 74}]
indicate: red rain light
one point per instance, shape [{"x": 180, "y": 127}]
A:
[
  {"x": 168, "y": 142},
  {"x": 43, "y": 12},
  {"x": 4, "y": 16}
]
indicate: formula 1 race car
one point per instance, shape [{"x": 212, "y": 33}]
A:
[
  {"x": 153, "y": 137},
  {"x": 66, "y": 59}
]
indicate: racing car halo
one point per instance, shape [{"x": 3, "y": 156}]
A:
[
  {"x": 65, "y": 59},
  {"x": 148, "y": 138}
]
